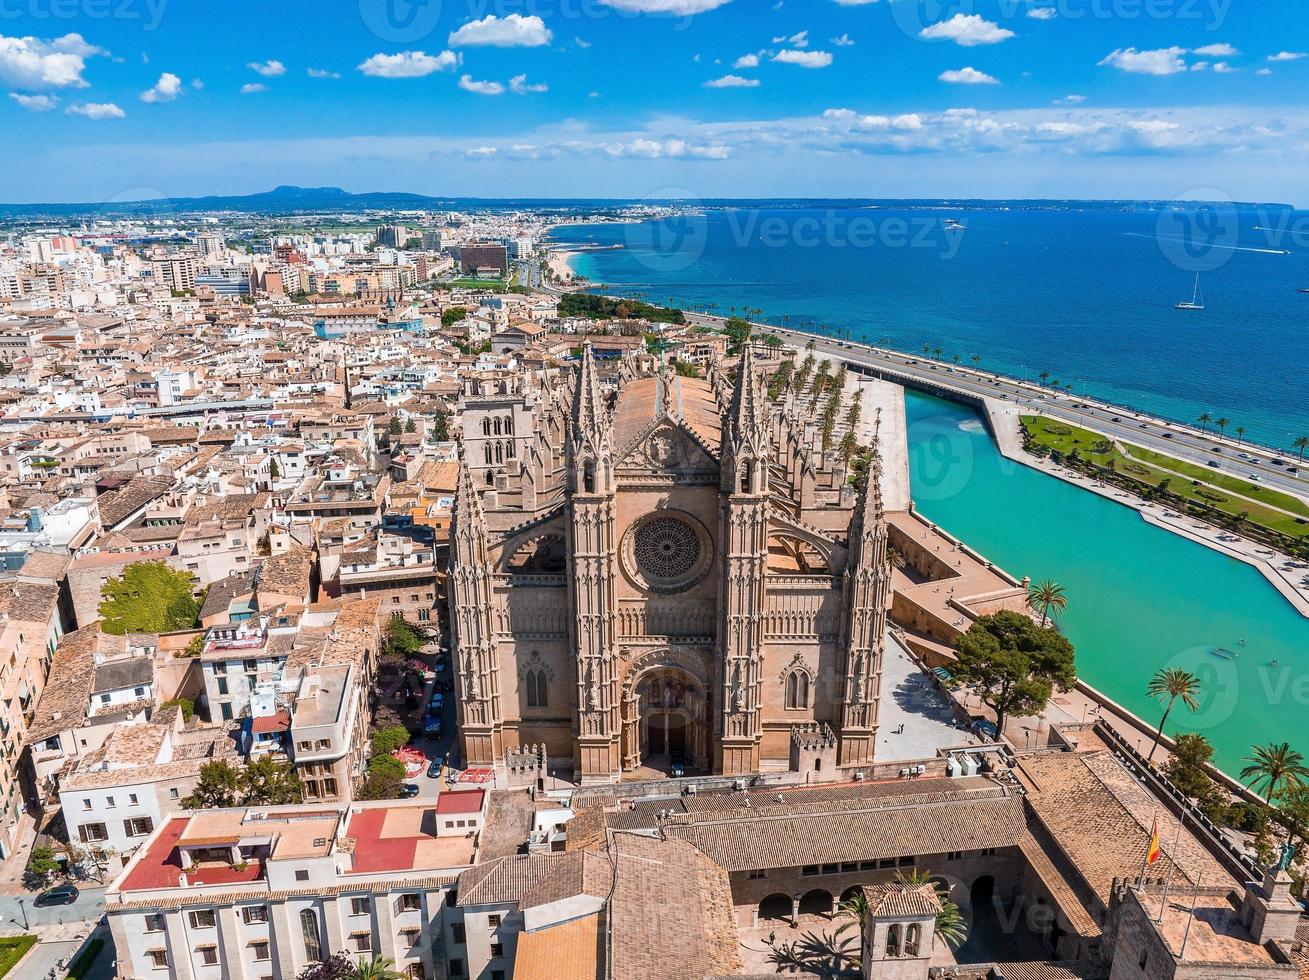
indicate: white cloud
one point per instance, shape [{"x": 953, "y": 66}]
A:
[
  {"x": 166, "y": 89},
  {"x": 1070, "y": 100},
  {"x": 840, "y": 115},
  {"x": 1161, "y": 61},
  {"x": 197, "y": 84},
  {"x": 470, "y": 84},
  {"x": 481, "y": 152},
  {"x": 36, "y": 103},
  {"x": 321, "y": 73},
  {"x": 409, "y": 64},
  {"x": 967, "y": 30},
  {"x": 681, "y": 7},
  {"x": 854, "y": 3},
  {"x": 1288, "y": 56},
  {"x": 747, "y": 61},
  {"x": 1042, "y": 13},
  {"x": 1217, "y": 51},
  {"x": 581, "y": 43},
  {"x": 968, "y": 76},
  {"x": 1264, "y": 71},
  {"x": 269, "y": 69},
  {"x": 29, "y": 62},
  {"x": 805, "y": 59},
  {"x": 800, "y": 40},
  {"x": 732, "y": 81},
  {"x": 519, "y": 86},
  {"x": 1200, "y": 66},
  {"x": 1223, "y": 68},
  {"x": 96, "y": 110},
  {"x": 844, "y": 41},
  {"x": 513, "y": 31},
  {"x": 253, "y": 88}
]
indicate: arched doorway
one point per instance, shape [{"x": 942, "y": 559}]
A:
[
  {"x": 776, "y": 908},
  {"x": 666, "y": 717},
  {"x": 982, "y": 894},
  {"x": 816, "y": 902}
]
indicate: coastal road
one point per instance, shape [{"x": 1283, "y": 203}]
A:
[{"x": 1171, "y": 438}]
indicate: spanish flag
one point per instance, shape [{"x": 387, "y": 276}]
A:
[{"x": 1153, "y": 854}]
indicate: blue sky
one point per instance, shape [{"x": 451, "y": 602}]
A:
[{"x": 118, "y": 99}]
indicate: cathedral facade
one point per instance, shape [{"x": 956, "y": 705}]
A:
[{"x": 661, "y": 568}]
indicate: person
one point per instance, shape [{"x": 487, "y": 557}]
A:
[{"x": 772, "y": 937}]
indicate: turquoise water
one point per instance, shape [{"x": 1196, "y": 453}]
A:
[{"x": 1140, "y": 598}]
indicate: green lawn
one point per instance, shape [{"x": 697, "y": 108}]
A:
[
  {"x": 82, "y": 965},
  {"x": 1151, "y": 468},
  {"x": 12, "y": 949},
  {"x": 495, "y": 285}
]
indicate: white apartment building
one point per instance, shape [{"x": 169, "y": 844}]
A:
[{"x": 261, "y": 893}]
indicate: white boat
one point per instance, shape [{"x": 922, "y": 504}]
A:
[{"x": 1197, "y": 298}]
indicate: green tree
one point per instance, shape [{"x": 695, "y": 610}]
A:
[
  {"x": 441, "y": 426},
  {"x": 185, "y": 705},
  {"x": 376, "y": 968},
  {"x": 1188, "y": 769},
  {"x": 950, "y": 923},
  {"x": 387, "y": 740},
  {"x": 394, "y": 427},
  {"x": 1015, "y": 664},
  {"x": 1302, "y": 443},
  {"x": 41, "y": 862},
  {"x": 1222, "y": 422},
  {"x": 149, "y": 597},
  {"x": 1204, "y": 419},
  {"x": 383, "y": 778},
  {"x": 401, "y": 639},
  {"x": 219, "y": 786},
  {"x": 738, "y": 332},
  {"x": 410, "y": 426},
  {"x": 451, "y": 316},
  {"x": 274, "y": 471},
  {"x": 1044, "y": 376},
  {"x": 1274, "y": 768},
  {"x": 267, "y": 782},
  {"x": 1170, "y": 684},
  {"x": 1240, "y": 434},
  {"x": 1048, "y": 598}
]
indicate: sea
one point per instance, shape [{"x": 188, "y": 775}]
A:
[
  {"x": 1084, "y": 295},
  {"x": 1087, "y": 295}
]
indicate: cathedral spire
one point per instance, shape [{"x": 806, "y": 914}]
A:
[
  {"x": 748, "y": 413},
  {"x": 466, "y": 530},
  {"x": 588, "y": 408}
]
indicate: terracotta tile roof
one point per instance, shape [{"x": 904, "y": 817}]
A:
[
  {"x": 1101, "y": 818},
  {"x": 118, "y": 505},
  {"x": 505, "y": 880},
  {"x": 574, "y": 873},
  {"x": 902, "y": 901},
  {"x": 287, "y": 574},
  {"x": 64, "y": 700},
  {"x": 28, "y": 602},
  {"x": 571, "y": 950}
]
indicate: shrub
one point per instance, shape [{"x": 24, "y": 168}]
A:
[{"x": 387, "y": 740}]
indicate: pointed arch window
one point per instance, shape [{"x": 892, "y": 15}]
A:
[
  {"x": 309, "y": 929},
  {"x": 499, "y": 452},
  {"x": 537, "y": 694},
  {"x": 588, "y": 476},
  {"x": 489, "y": 459},
  {"x": 893, "y": 941},
  {"x": 797, "y": 690},
  {"x": 497, "y": 426}
]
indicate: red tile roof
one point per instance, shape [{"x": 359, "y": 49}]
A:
[{"x": 460, "y": 801}]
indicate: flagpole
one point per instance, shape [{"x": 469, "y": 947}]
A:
[
  {"x": 1140, "y": 878},
  {"x": 1195, "y": 897},
  {"x": 1172, "y": 865}
]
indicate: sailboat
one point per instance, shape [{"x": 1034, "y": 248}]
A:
[{"x": 1197, "y": 298}]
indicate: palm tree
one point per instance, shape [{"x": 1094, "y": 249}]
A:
[
  {"x": 1046, "y": 598},
  {"x": 1301, "y": 444},
  {"x": 376, "y": 968},
  {"x": 937, "y": 352},
  {"x": 950, "y": 924},
  {"x": 1222, "y": 422},
  {"x": 1240, "y": 434},
  {"x": 976, "y": 359},
  {"x": 1274, "y": 768},
  {"x": 1044, "y": 376},
  {"x": 1204, "y": 419},
  {"x": 1171, "y": 683}
]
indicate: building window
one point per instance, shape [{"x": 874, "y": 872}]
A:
[
  {"x": 456, "y": 968},
  {"x": 154, "y": 922},
  {"x": 457, "y": 933},
  {"x": 363, "y": 941},
  {"x": 493, "y": 921},
  {"x": 203, "y": 919},
  {"x": 259, "y": 950},
  {"x": 758, "y": 873},
  {"x": 361, "y": 905},
  {"x": 254, "y": 913},
  {"x": 537, "y": 696},
  {"x": 797, "y": 690},
  {"x": 138, "y": 826},
  {"x": 809, "y": 870},
  {"x": 158, "y": 958},
  {"x": 408, "y": 902},
  {"x": 301, "y": 874},
  {"x": 893, "y": 941},
  {"x": 208, "y": 955},
  {"x": 309, "y": 929},
  {"x": 497, "y": 950},
  {"x": 93, "y": 833}
]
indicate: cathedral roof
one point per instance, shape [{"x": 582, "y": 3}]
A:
[{"x": 640, "y": 400}]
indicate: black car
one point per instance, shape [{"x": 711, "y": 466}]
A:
[
  {"x": 434, "y": 769},
  {"x": 409, "y": 790},
  {"x": 61, "y": 895}
]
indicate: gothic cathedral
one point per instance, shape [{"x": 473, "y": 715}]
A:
[{"x": 658, "y": 571}]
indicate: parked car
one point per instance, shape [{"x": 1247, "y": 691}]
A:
[
  {"x": 677, "y": 765},
  {"x": 409, "y": 790},
  {"x": 59, "y": 895},
  {"x": 432, "y": 728},
  {"x": 1215, "y": 464},
  {"x": 434, "y": 769}
]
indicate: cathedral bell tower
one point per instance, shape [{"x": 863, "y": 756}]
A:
[
  {"x": 593, "y": 567},
  {"x": 476, "y": 662},
  {"x": 868, "y": 588},
  {"x": 743, "y": 495}
]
